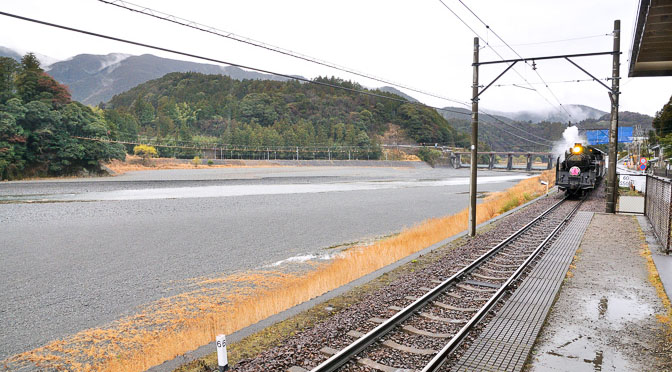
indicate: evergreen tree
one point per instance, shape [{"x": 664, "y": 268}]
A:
[{"x": 39, "y": 125}]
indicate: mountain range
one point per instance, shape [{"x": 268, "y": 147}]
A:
[
  {"x": 93, "y": 79},
  {"x": 578, "y": 113}
]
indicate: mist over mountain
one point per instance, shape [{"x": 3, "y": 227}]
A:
[
  {"x": 97, "y": 78},
  {"x": 531, "y": 130},
  {"x": 6, "y": 52},
  {"x": 578, "y": 113},
  {"x": 16, "y": 55}
]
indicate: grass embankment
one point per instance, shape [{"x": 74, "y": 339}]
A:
[{"x": 173, "y": 326}]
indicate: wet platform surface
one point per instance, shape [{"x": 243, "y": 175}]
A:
[{"x": 507, "y": 340}]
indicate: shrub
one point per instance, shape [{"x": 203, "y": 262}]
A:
[
  {"x": 511, "y": 203},
  {"x": 429, "y": 156},
  {"x": 210, "y": 162},
  {"x": 196, "y": 161}
]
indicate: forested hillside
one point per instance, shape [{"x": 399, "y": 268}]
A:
[
  {"x": 625, "y": 119},
  {"x": 38, "y": 121},
  {"x": 215, "y": 108},
  {"x": 502, "y": 137}
]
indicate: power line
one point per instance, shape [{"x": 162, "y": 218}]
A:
[
  {"x": 223, "y": 146},
  {"x": 513, "y": 126},
  {"x": 242, "y": 66},
  {"x": 187, "y": 23},
  {"x": 181, "y": 21},
  {"x": 496, "y": 52},
  {"x": 289, "y": 77},
  {"x": 229, "y": 35},
  {"x": 534, "y": 68},
  {"x": 500, "y": 56},
  {"x": 192, "y": 24},
  {"x": 550, "y": 82},
  {"x": 553, "y": 41},
  {"x": 515, "y": 135}
]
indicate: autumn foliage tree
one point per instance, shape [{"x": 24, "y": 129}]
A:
[{"x": 146, "y": 152}]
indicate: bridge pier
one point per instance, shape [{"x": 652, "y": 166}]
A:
[{"x": 455, "y": 159}]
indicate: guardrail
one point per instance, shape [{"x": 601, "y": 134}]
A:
[
  {"x": 658, "y": 208},
  {"x": 662, "y": 172}
]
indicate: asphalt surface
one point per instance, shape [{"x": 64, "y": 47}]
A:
[{"x": 80, "y": 253}]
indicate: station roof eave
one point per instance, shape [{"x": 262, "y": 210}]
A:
[{"x": 651, "y": 52}]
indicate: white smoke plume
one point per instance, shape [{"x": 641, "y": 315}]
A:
[{"x": 570, "y": 137}]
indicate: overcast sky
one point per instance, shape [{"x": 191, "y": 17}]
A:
[{"x": 416, "y": 43}]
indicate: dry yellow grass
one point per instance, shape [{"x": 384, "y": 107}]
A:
[
  {"x": 134, "y": 163},
  {"x": 398, "y": 155},
  {"x": 173, "y": 326}
]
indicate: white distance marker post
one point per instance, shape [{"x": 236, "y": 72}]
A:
[{"x": 222, "y": 359}]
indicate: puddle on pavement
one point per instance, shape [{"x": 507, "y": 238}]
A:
[
  {"x": 617, "y": 311},
  {"x": 573, "y": 350},
  {"x": 579, "y": 353},
  {"x": 245, "y": 190}
]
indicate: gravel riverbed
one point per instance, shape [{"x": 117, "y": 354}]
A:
[{"x": 76, "y": 262}]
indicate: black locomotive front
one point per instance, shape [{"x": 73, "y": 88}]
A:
[{"x": 581, "y": 169}]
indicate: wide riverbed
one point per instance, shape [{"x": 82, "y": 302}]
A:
[{"x": 80, "y": 253}]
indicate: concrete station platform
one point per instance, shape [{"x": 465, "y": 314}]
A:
[{"x": 599, "y": 317}]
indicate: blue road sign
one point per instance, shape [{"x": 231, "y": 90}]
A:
[{"x": 600, "y": 136}]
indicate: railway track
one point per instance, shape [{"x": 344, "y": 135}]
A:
[{"x": 421, "y": 333}]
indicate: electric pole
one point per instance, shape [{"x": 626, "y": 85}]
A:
[
  {"x": 474, "y": 144},
  {"x": 612, "y": 182}
]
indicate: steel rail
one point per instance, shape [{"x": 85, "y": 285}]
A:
[
  {"x": 441, "y": 357},
  {"x": 342, "y": 357}
]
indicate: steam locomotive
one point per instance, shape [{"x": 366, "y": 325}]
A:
[{"x": 581, "y": 170}]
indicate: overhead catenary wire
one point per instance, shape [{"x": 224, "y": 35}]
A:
[
  {"x": 496, "y": 52},
  {"x": 192, "y": 24},
  {"x": 516, "y": 53},
  {"x": 256, "y": 43},
  {"x": 553, "y": 41},
  {"x": 551, "y": 82},
  {"x": 517, "y": 136}
]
